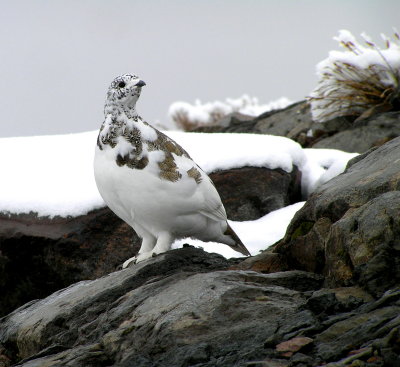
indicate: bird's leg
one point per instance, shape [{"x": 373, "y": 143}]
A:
[
  {"x": 150, "y": 248},
  {"x": 163, "y": 244},
  {"x": 145, "y": 252},
  {"x": 148, "y": 244}
]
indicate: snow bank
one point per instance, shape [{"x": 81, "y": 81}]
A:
[
  {"x": 49, "y": 175},
  {"x": 257, "y": 234},
  {"x": 322, "y": 165},
  {"x": 218, "y": 151},
  {"x": 187, "y": 116},
  {"x": 53, "y": 175}
]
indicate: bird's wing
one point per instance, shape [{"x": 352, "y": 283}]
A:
[{"x": 213, "y": 207}]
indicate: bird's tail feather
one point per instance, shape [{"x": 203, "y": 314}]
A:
[{"x": 238, "y": 246}]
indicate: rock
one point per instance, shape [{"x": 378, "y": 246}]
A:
[
  {"x": 291, "y": 346},
  {"x": 301, "y": 360},
  {"x": 330, "y": 301},
  {"x": 41, "y": 255},
  {"x": 349, "y": 228},
  {"x": 344, "y": 335},
  {"x": 368, "y": 236},
  {"x": 228, "y": 120},
  {"x": 272, "y": 363},
  {"x": 359, "y": 334},
  {"x": 249, "y": 193},
  {"x": 172, "y": 310},
  {"x": 265, "y": 262},
  {"x": 295, "y": 122},
  {"x": 182, "y": 308},
  {"x": 231, "y": 123},
  {"x": 362, "y": 136}
]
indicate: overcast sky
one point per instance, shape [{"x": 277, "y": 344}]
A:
[{"x": 57, "y": 57}]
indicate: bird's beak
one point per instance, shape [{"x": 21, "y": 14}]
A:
[{"x": 140, "y": 83}]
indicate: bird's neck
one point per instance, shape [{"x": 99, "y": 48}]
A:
[
  {"x": 118, "y": 112},
  {"x": 119, "y": 120}
]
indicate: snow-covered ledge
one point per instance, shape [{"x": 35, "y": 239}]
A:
[{"x": 53, "y": 175}]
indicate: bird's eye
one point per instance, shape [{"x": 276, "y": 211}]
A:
[{"x": 121, "y": 84}]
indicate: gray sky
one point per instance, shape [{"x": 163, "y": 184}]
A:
[{"x": 57, "y": 57}]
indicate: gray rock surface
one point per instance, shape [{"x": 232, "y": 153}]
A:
[
  {"x": 295, "y": 122},
  {"x": 178, "y": 309},
  {"x": 162, "y": 312},
  {"x": 361, "y": 136},
  {"x": 349, "y": 228}
]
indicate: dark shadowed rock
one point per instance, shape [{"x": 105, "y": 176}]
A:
[
  {"x": 249, "y": 193},
  {"x": 349, "y": 229},
  {"x": 40, "y": 255}
]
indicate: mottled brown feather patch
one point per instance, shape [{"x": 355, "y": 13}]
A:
[
  {"x": 168, "y": 169},
  {"x": 132, "y": 162},
  {"x": 166, "y": 144},
  {"x": 135, "y": 159},
  {"x": 195, "y": 174}
]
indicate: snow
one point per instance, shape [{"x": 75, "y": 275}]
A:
[
  {"x": 49, "y": 175},
  {"x": 257, "y": 234},
  {"x": 210, "y": 112},
  {"x": 224, "y": 151},
  {"x": 364, "y": 56},
  {"x": 53, "y": 175},
  {"x": 322, "y": 165},
  {"x": 146, "y": 132}
]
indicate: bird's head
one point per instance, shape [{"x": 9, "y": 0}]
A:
[{"x": 125, "y": 91}]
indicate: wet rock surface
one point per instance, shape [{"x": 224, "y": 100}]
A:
[{"x": 182, "y": 308}]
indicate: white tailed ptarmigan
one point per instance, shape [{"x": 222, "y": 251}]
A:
[{"x": 150, "y": 182}]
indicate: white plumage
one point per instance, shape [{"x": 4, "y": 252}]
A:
[{"x": 151, "y": 183}]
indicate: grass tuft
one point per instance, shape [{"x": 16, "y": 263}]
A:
[{"x": 359, "y": 81}]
